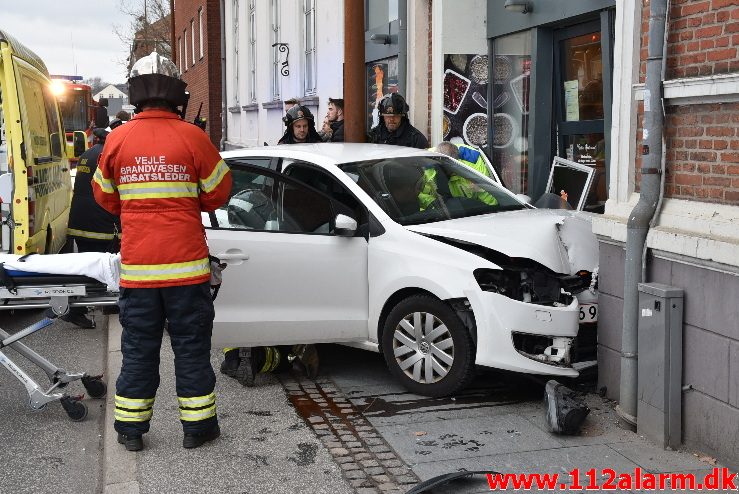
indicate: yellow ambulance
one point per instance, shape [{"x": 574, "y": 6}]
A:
[{"x": 35, "y": 183}]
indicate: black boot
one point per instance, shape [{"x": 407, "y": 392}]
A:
[
  {"x": 305, "y": 359},
  {"x": 230, "y": 362},
  {"x": 196, "y": 440},
  {"x": 250, "y": 360},
  {"x": 132, "y": 443}
]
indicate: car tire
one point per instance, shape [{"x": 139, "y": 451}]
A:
[{"x": 442, "y": 363}]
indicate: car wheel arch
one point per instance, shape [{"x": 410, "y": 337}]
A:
[{"x": 460, "y": 306}]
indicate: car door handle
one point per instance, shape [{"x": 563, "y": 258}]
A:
[{"x": 232, "y": 256}]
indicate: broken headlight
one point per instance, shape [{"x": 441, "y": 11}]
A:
[{"x": 530, "y": 285}]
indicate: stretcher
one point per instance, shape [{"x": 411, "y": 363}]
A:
[{"x": 55, "y": 282}]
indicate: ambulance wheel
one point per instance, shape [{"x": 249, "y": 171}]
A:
[
  {"x": 76, "y": 410},
  {"x": 95, "y": 386}
]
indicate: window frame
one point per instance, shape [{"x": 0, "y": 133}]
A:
[
  {"x": 192, "y": 40},
  {"x": 310, "y": 59},
  {"x": 252, "y": 60},
  {"x": 274, "y": 39},
  {"x": 184, "y": 38},
  {"x": 235, "y": 58},
  {"x": 200, "y": 26},
  {"x": 277, "y": 178},
  {"x": 179, "y": 53}
]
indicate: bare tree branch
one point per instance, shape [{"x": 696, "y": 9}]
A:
[{"x": 147, "y": 29}]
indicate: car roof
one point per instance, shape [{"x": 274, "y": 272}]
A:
[{"x": 334, "y": 153}]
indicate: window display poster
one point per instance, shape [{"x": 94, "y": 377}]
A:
[
  {"x": 465, "y": 116},
  {"x": 510, "y": 106},
  {"x": 382, "y": 79}
]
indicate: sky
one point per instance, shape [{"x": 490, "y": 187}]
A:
[{"x": 51, "y": 28}]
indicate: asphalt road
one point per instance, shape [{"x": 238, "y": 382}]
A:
[{"x": 44, "y": 451}]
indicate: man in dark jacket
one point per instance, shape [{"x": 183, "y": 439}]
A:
[
  {"x": 336, "y": 119},
  {"x": 92, "y": 228},
  {"x": 301, "y": 126},
  {"x": 394, "y": 127}
]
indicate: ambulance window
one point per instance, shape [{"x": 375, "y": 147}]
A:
[
  {"x": 52, "y": 120},
  {"x": 36, "y": 125}
]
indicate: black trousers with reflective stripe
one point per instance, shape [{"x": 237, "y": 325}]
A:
[{"x": 143, "y": 312}]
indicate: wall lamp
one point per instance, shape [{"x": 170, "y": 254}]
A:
[
  {"x": 380, "y": 39},
  {"x": 521, "y": 6}
]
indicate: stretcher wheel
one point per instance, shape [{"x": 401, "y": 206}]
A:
[
  {"x": 76, "y": 410},
  {"x": 95, "y": 386}
]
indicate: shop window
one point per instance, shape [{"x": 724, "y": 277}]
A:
[{"x": 511, "y": 72}]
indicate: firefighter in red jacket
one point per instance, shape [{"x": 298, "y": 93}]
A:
[{"x": 159, "y": 173}]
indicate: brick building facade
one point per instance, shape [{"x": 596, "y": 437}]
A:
[
  {"x": 694, "y": 244},
  {"x": 197, "y": 53}
]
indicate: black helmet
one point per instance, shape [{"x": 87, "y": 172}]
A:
[
  {"x": 296, "y": 113},
  {"x": 393, "y": 104},
  {"x": 155, "y": 77}
]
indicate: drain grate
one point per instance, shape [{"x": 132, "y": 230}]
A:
[{"x": 366, "y": 460}]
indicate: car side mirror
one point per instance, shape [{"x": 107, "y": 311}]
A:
[
  {"x": 345, "y": 225},
  {"x": 80, "y": 141}
]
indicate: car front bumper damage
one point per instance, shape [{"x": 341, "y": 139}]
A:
[{"x": 524, "y": 337}]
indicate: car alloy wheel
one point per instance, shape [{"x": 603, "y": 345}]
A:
[
  {"x": 427, "y": 347},
  {"x": 423, "y": 347}
]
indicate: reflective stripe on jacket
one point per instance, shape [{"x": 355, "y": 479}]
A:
[{"x": 159, "y": 173}]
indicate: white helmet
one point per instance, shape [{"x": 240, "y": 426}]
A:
[
  {"x": 154, "y": 63},
  {"x": 155, "y": 77}
]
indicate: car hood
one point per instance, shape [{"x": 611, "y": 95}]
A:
[{"x": 561, "y": 240}]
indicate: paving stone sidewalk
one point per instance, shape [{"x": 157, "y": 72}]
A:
[{"x": 498, "y": 424}]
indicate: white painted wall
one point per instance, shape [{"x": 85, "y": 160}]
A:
[{"x": 248, "y": 128}]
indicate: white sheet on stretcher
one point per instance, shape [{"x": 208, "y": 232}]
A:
[{"x": 102, "y": 266}]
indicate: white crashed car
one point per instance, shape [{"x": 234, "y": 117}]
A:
[{"x": 399, "y": 251}]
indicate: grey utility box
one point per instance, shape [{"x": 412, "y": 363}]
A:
[{"x": 660, "y": 349}]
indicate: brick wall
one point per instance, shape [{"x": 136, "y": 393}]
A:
[
  {"x": 702, "y": 139},
  {"x": 204, "y": 77},
  {"x": 703, "y": 38},
  {"x": 703, "y": 152}
]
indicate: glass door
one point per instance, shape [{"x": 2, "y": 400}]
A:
[{"x": 580, "y": 133}]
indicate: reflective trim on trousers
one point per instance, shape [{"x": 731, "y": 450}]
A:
[
  {"x": 197, "y": 408},
  {"x": 133, "y": 409}
]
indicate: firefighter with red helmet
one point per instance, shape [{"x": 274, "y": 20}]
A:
[{"x": 159, "y": 173}]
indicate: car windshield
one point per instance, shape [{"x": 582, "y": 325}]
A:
[{"x": 425, "y": 189}]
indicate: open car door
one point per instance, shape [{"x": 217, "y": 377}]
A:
[{"x": 291, "y": 275}]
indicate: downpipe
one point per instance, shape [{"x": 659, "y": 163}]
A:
[{"x": 641, "y": 216}]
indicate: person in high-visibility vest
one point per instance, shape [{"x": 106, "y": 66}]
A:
[{"x": 459, "y": 186}]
